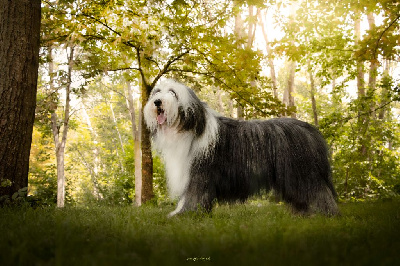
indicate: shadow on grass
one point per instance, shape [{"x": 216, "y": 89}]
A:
[{"x": 263, "y": 234}]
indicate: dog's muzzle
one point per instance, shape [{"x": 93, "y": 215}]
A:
[{"x": 161, "y": 117}]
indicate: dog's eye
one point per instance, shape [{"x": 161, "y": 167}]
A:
[
  {"x": 154, "y": 92},
  {"x": 173, "y": 93}
]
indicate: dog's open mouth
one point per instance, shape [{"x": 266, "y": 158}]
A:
[{"x": 161, "y": 118}]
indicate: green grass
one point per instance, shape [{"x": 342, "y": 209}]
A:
[{"x": 365, "y": 234}]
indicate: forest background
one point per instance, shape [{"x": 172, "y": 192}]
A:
[{"x": 334, "y": 64}]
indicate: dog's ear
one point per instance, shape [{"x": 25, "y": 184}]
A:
[{"x": 193, "y": 119}]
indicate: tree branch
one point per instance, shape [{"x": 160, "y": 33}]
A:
[
  {"x": 383, "y": 32},
  {"x": 167, "y": 66},
  {"x": 101, "y": 22},
  {"x": 369, "y": 112},
  {"x": 229, "y": 88},
  {"x": 123, "y": 68}
]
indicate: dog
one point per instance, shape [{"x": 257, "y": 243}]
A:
[{"x": 211, "y": 158}]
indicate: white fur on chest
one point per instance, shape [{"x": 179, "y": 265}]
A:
[
  {"x": 178, "y": 150},
  {"x": 175, "y": 150}
]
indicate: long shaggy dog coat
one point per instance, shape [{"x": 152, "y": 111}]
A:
[{"x": 209, "y": 157}]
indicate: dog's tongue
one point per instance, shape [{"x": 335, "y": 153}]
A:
[{"x": 161, "y": 118}]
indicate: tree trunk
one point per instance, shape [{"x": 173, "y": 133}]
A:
[
  {"x": 138, "y": 163},
  {"x": 93, "y": 169},
  {"x": 19, "y": 62},
  {"x": 56, "y": 129},
  {"x": 360, "y": 67},
  {"x": 384, "y": 93},
  {"x": 269, "y": 54},
  {"x": 239, "y": 32},
  {"x": 374, "y": 61},
  {"x": 147, "y": 159},
  {"x": 252, "y": 26},
  {"x": 312, "y": 95},
  {"x": 288, "y": 98},
  {"x": 136, "y": 132},
  {"x": 220, "y": 102},
  {"x": 121, "y": 144},
  {"x": 60, "y": 155}
]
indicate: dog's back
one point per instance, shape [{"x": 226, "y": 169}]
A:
[{"x": 286, "y": 155}]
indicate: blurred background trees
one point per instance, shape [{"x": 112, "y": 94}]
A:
[{"x": 333, "y": 64}]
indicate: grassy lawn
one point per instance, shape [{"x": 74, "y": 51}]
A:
[{"x": 250, "y": 234}]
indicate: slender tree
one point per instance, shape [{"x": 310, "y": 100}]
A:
[
  {"x": 19, "y": 61},
  {"x": 313, "y": 90},
  {"x": 60, "y": 128},
  {"x": 136, "y": 132},
  {"x": 269, "y": 53}
]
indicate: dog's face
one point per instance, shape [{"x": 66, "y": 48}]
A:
[{"x": 172, "y": 104}]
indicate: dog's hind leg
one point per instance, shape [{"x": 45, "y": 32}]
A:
[{"x": 325, "y": 203}]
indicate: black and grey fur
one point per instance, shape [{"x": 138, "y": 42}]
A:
[{"x": 209, "y": 157}]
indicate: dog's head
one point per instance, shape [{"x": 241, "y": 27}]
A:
[{"x": 172, "y": 104}]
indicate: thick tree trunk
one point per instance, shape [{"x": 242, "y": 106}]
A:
[
  {"x": 19, "y": 62},
  {"x": 147, "y": 159}
]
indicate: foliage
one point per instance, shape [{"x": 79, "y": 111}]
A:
[
  {"x": 42, "y": 169},
  {"x": 361, "y": 131},
  {"x": 195, "y": 42}
]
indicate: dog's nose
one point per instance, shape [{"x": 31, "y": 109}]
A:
[{"x": 157, "y": 102}]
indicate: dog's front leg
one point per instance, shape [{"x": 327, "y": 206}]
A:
[
  {"x": 179, "y": 208},
  {"x": 195, "y": 199}
]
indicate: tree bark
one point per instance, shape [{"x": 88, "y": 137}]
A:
[
  {"x": 147, "y": 159},
  {"x": 19, "y": 62}
]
